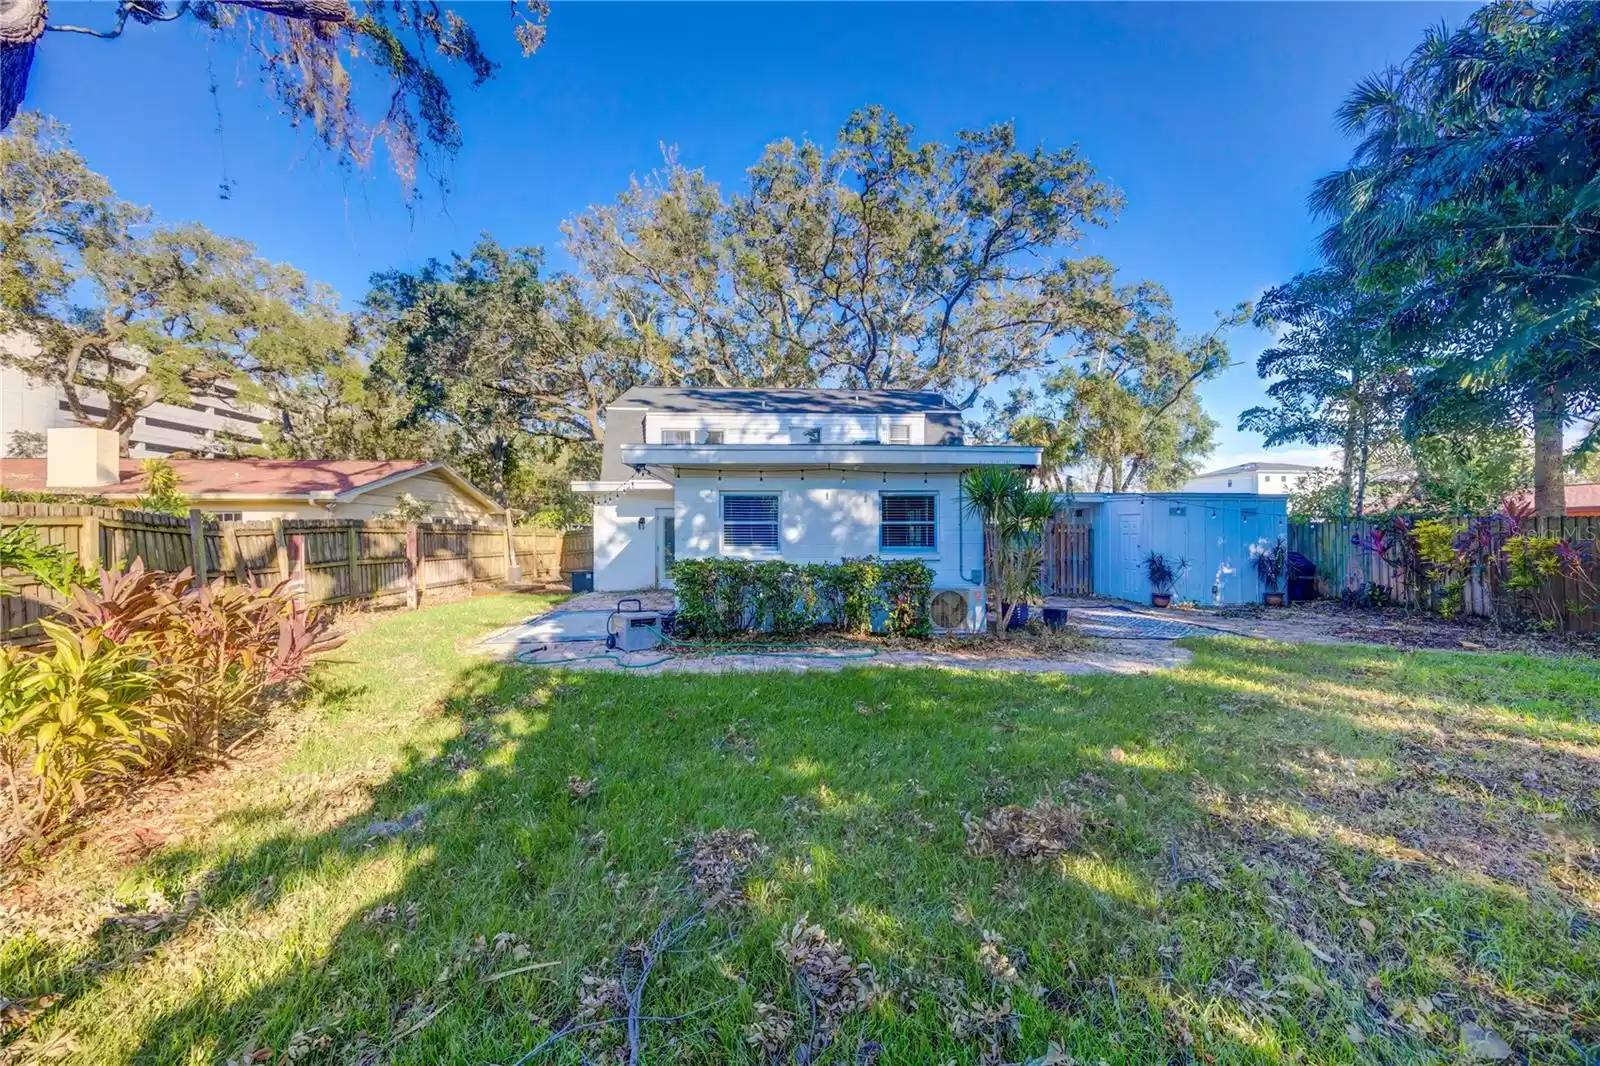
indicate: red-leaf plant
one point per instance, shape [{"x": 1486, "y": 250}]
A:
[{"x": 217, "y": 648}]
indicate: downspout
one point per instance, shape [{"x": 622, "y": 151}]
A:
[{"x": 961, "y": 526}]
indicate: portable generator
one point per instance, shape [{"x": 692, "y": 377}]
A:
[{"x": 632, "y": 628}]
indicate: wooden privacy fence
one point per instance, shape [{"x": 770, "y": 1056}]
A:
[
  {"x": 1347, "y": 563},
  {"x": 337, "y": 560}
]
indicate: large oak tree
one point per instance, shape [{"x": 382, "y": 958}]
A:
[
  {"x": 121, "y": 313},
  {"x": 877, "y": 261}
]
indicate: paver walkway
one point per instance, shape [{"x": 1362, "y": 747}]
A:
[{"x": 573, "y": 636}]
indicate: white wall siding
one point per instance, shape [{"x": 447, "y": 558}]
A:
[
  {"x": 831, "y": 516},
  {"x": 757, "y": 428},
  {"x": 625, "y": 553}
]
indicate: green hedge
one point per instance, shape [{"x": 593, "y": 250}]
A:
[{"x": 719, "y": 599}]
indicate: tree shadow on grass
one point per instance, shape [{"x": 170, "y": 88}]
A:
[{"x": 1215, "y": 905}]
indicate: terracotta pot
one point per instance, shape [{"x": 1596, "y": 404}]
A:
[
  {"x": 1161, "y": 599},
  {"x": 1274, "y": 599}
]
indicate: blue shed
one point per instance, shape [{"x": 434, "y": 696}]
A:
[{"x": 1214, "y": 531}]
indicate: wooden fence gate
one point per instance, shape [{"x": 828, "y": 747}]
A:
[{"x": 1068, "y": 569}]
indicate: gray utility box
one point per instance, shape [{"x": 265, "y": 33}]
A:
[{"x": 637, "y": 630}]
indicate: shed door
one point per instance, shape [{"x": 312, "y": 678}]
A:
[{"x": 1128, "y": 553}]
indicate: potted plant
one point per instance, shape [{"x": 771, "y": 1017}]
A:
[
  {"x": 1163, "y": 574},
  {"x": 1019, "y": 581},
  {"x": 1270, "y": 564}
]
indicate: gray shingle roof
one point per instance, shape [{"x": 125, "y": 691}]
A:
[
  {"x": 798, "y": 401},
  {"x": 1257, "y": 468}
]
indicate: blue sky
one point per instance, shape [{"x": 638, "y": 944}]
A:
[{"x": 1214, "y": 119}]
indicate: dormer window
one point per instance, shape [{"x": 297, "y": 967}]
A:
[
  {"x": 714, "y": 436},
  {"x": 899, "y": 433},
  {"x": 677, "y": 436}
]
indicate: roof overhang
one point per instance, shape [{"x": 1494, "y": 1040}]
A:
[
  {"x": 813, "y": 456},
  {"x": 635, "y": 484}
]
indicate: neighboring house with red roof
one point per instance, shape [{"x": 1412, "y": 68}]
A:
[
  {"x": 256, "y": 489},
  {"x": 1583, "y": 500}
]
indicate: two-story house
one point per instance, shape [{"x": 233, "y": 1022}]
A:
[
  {"x": 1261, "y": 479},
  {"x": 804, "y": 475}
]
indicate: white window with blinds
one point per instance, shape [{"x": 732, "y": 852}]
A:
[
  {"x": 908, "y": 522},
  {"x": 677, "y": 436},
  {"x": 899, "y": 433},
  {"x": 749, "y": 522}
]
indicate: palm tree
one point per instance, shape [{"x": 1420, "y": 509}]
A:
[
  {"x": 1014, "y": 515},
  {"x": 1473, "y": 196}
]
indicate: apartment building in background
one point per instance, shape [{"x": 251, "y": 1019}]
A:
[{"x": 213, "y": 426}]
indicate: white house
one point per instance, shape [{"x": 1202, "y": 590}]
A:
[
  {"x": 1264, "y": 479},
  {"x": 804, "y": 475}
]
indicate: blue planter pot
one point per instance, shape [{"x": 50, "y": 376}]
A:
[
  {"x": 1055, "y": 617},
  {"x": 1019, "y": 617}
]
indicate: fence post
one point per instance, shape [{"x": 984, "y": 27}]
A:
[
  {"x": 89, "y": 543},
  {"x": 413, "y": 566},
  {"x": 301, "y": 591},
  {"x": 197, "y": 545},
  {"x": 352, "y": 551},
  {"x": 282, "y": 549},
  {"x": 228, "y": 548},
  {"x": 513, "y": 571},
  {"x": 466, "y": 545}
]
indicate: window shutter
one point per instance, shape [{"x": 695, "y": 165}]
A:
[{"x": 750, "y": 522}]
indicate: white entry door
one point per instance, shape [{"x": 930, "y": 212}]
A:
[
  {"x": 1128, "y": 558},
  {"x": 666, "y": 546}
]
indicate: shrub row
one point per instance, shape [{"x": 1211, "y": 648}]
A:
[
  {"x": 719, "y": 599},
  {"x": 146, "y": 674}
]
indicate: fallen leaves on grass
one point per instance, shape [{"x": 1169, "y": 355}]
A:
[
  {"x": 992, "y": 1025},
  {"x": 772, "y": 1029},
  {"x": 580, "y": 788},
  {"x": 1000, "y": 967},
  {"x": 718, "y": 861},
  {"x": 835, "y": 985},
  {"x": 1040, "y": 833},
  {"x": 159, "y": 917}
]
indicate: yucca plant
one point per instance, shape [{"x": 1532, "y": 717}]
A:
[{"x": 1014, "y": 514}]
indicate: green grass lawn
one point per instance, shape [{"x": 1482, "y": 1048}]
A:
[{"x": 1279, "y": 853}]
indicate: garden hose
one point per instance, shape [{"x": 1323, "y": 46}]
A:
[
  {"x": 613, "y": 656},
  {"x": 759, "y": 648},
  {"x": 751, "y": 648}
]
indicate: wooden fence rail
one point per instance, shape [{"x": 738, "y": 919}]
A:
[
  {"x": 1347, "y": 563},
  {"x": 336, "y": 560}
]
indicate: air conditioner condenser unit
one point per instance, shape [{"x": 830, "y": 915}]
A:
[{"x": 958, "y": 610}]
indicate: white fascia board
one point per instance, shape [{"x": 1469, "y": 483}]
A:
[
  {"x": 774, "y": 456},
  {"x": 648, "y": 484}
]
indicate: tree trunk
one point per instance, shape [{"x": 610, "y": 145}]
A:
[
  {"x": 1363, "y": 457},
  {"x": 1549, "y": 477}
]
